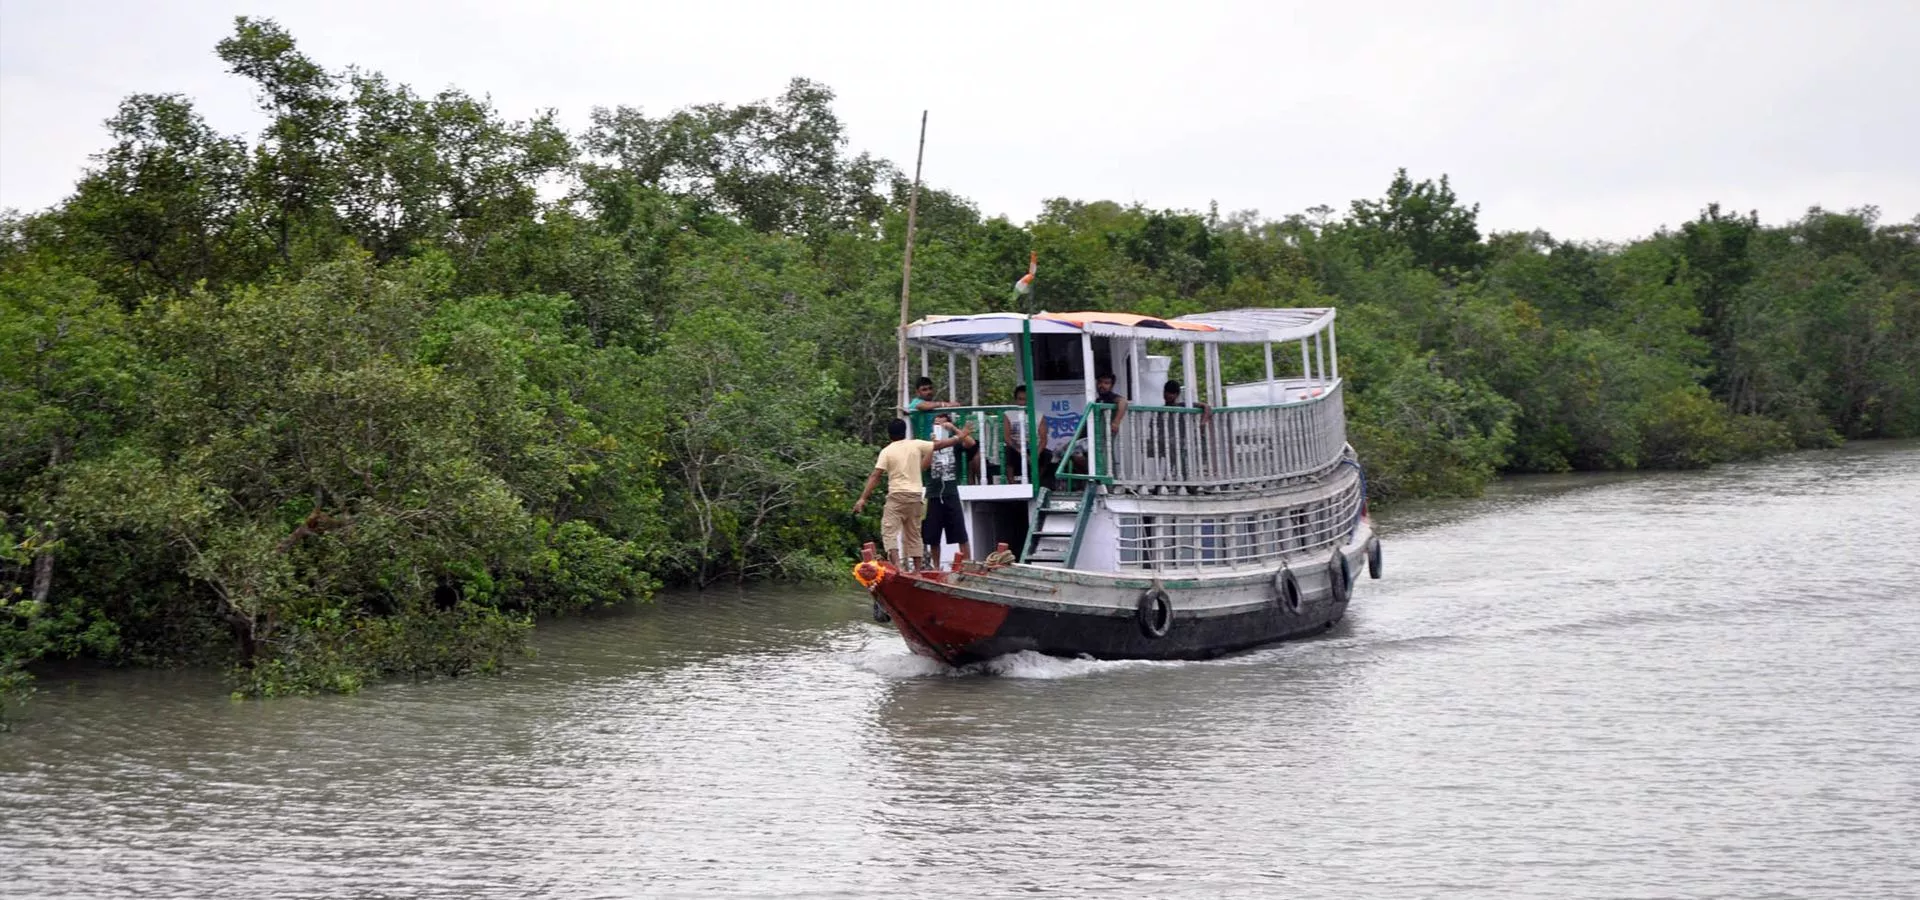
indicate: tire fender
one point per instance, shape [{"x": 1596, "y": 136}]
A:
[
  {"x": 1286, "y": 590},
  {"x": 1338, "y": 576},
  {"x": 1154, "y": 613}
]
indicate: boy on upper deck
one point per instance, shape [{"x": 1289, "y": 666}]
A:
[
  {"x": 1170, "y": 439},
  {"x": 922, "y": 399},
  {"x": 1170, "y": 396},
  {"x": 1104, "y": 393}
]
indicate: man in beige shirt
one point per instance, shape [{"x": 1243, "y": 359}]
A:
[{"x": 902, "y": 461}]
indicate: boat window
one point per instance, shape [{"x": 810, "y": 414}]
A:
[
  {"x": 1242, "y": 539},
  {"x": 1057, "y": 357},
  {"x": 1132, "y": 541},
  {"x": 1270, "y": 534},
  {"x": 1246, "y": 538},
  {"x": 1211, "y": 542}
]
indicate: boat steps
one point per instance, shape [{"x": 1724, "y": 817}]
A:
[{"x": 1054, "y": 535}]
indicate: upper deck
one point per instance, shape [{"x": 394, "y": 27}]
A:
[{"x": 1220, "y": 437}]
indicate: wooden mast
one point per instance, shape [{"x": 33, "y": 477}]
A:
[{"x": 906, "y": 265}]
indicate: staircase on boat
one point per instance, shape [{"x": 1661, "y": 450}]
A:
[{"x": 1058, "y": 525}]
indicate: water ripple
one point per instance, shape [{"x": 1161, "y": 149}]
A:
[{"x": 1676, "y": 685}]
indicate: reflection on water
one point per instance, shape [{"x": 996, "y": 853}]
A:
[{"x": 1681, "y": 684}]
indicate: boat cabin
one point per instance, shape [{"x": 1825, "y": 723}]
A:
[{"x": 1186, "y": 485}]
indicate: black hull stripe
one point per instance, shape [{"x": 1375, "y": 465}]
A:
[{"x": 1120, "y": 637}]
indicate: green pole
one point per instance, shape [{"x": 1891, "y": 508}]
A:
[{"x": 1033, "y": 421}]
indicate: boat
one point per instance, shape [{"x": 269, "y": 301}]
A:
[{"x": 1234, "y": 517}]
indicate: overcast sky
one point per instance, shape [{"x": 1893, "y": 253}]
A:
[{"x": 1593, "y": 120}]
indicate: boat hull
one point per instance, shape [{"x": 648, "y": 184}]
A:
[{"x": 966, "y": 617}]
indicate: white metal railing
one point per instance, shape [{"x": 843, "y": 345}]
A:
[
  {"x": 1173, "y": 446},
  {"x": 1202, "y": 540}
]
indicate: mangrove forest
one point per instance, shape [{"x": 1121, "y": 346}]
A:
[{"x": 366, "y": 394}]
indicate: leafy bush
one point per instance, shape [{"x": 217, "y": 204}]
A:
[{"x": 577, "y": 568}]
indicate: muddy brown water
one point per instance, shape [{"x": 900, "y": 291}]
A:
[{"x": 1669, "y": 685}]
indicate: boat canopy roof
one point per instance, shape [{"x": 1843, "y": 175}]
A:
[{"x": 989, "y": 334}]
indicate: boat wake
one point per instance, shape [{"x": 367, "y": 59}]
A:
[
  {"x": 1039, "y": 666},
  {"x": 897, "y": 663}
]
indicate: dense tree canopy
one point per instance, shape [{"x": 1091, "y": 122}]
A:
[{"x": 363, "y": 393}]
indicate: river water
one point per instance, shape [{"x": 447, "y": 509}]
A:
[{"x": 1671, "y": 685}]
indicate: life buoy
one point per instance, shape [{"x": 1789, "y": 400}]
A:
[
  {"x": 1286, "y": 589},
  {"x": 1338, "y": 577},
  {"x": 1373, "y": 559},
  {"x": 1154, "y": 613}
]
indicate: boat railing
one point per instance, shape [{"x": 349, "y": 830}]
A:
[
  {"x": 992, "y": 460},
  {"x": 1203, "y": 539},
  {"x": 1160, "y": 446}
]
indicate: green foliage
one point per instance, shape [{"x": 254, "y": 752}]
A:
[
  {"x": 773, "y": 166},
  {"x": 31, "y": 628},
  {"x": 577, "y": 568},
  {"x": 1425, "y": 220},
  {"x": 752, "y": 470},
  {"x": 362, "y": 395},
  {"x": 1422, "y": 434},
  {"x": 336, "y": 652}
]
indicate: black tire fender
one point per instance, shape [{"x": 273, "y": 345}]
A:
[
  {"x": 1373, "y": 559},
  {"x": 1338, "y": 576},
  {"x": 1154, "y": 612},
  {"x": 1286, "y": 590}
]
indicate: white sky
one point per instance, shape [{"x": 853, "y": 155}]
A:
[{"x": 1593, "y": 120}]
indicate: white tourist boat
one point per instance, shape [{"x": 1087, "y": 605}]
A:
[{"x": 1180, "y": 532}]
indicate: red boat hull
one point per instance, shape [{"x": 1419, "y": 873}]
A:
[{"x": 935, "y": 623}]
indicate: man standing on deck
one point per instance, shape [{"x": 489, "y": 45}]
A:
[
  {"x": 1104, "y": 393},
  {"x": 1013, "y": 432},
  {"x": 902, "y": 461},
  {"x": 922, "y": 402},
  {"x": 945, "y": 516},
  {"x": 1170, "y": 396},
  {"x": 1170, "y": 440}
]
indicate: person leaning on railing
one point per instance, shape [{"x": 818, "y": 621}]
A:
[
  {"x": 920, "y": 403},
  {"x": 1013, "y": 427},
  {"x": 1170, "y": 396},
  {"x": 1103, "y": 393},
  {"x": 922, "y": 399},
  {"x": 1170, "y": 437}
]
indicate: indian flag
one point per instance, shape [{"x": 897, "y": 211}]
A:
[{"x": 1025, "y": 284}]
